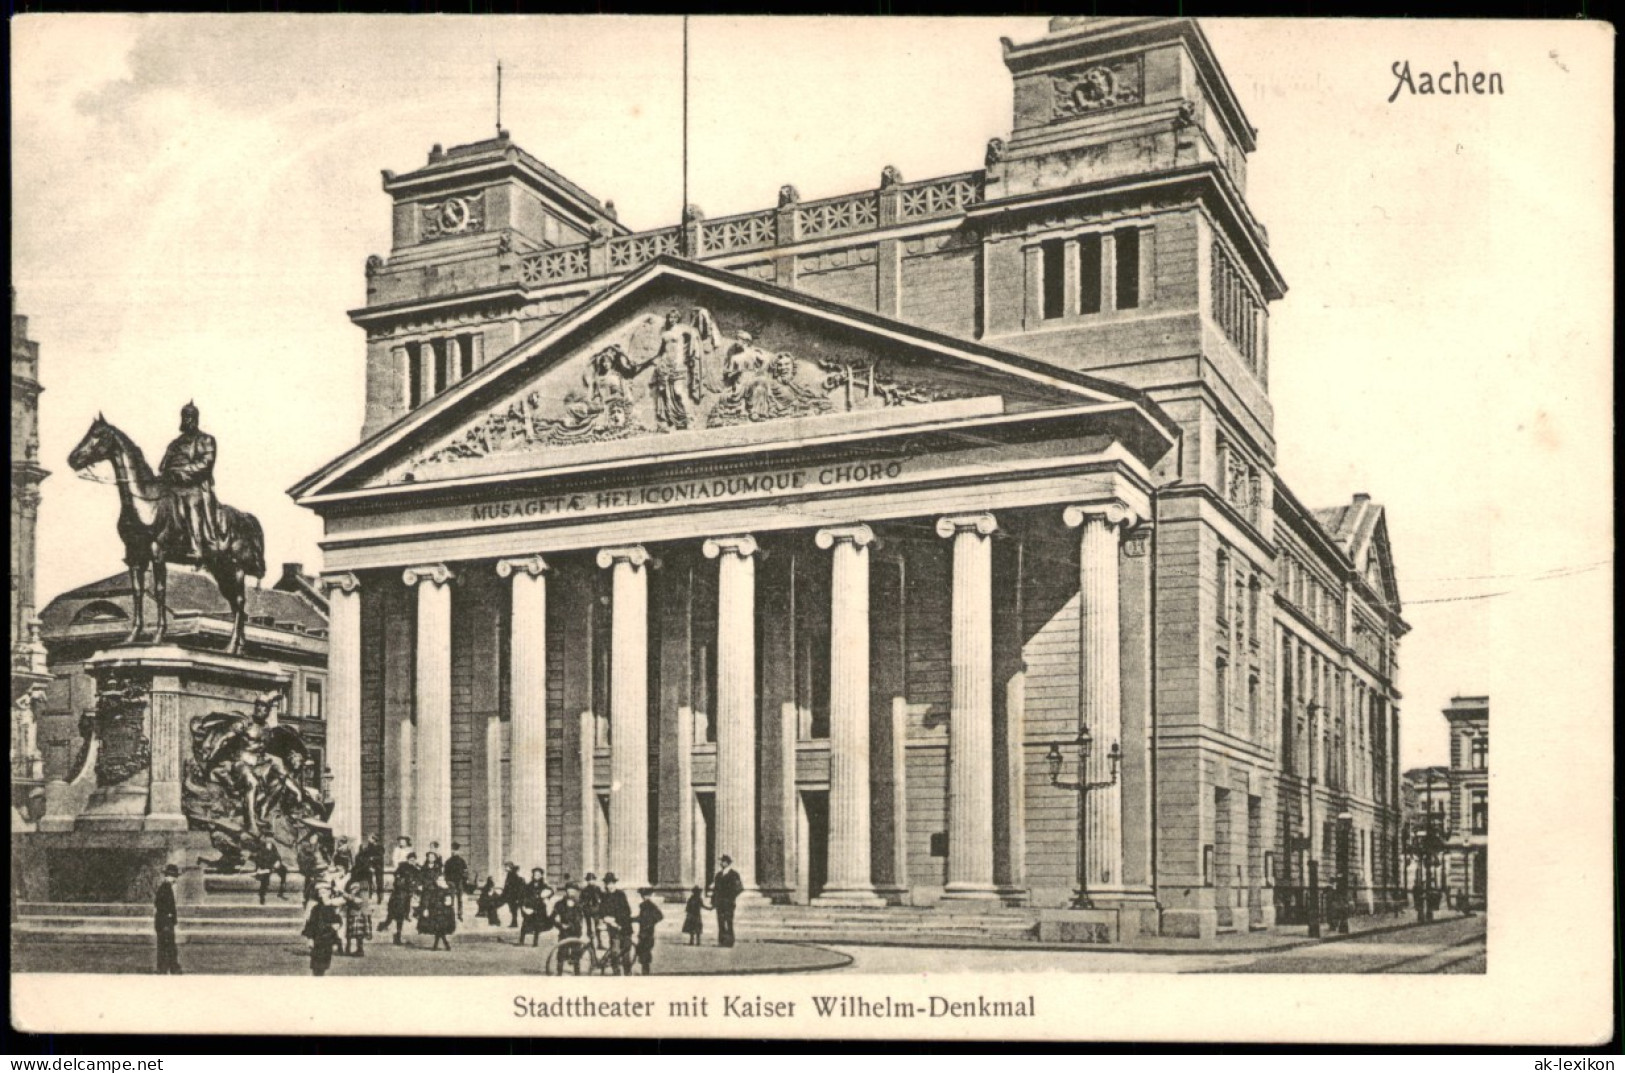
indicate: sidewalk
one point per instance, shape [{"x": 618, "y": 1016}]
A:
[{"x": 1283, "y": 937}]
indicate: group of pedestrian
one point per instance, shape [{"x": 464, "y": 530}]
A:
[
  {"x": 341, "y": 882},
  {"x": 429, "y": 892}
]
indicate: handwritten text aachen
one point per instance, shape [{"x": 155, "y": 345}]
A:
[{"x": 1452, "y": 83}]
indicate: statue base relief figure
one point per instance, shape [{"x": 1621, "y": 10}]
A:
[{"x": 162, "y": 774}]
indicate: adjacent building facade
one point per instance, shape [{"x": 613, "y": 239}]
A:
[
  {"x": 1469, "y": 857},
  {"x": 805, "y": 535},
  {"x": 28, "y": 670}
]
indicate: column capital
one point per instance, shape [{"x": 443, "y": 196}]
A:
[
  {"x": 437, "y": 573},
  {"x": 1114, "y": 512},
  {"x": 983, "y": 523},
  {"x": 743, "y": 546},
  {"x": 533, "y": 565},
  {"x": 861, "y": 536},
  {"x": 635, "y": 554},
  {"x": 345, "y": 582}
]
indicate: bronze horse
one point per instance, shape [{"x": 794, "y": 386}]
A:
[{"x": 241, "y": 550}]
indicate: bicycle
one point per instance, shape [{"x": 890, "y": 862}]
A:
[{"x": 571, "y": 953}]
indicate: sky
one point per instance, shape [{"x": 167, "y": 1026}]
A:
[{"x": 194, "y": 199}]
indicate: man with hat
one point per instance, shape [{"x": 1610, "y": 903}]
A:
[
  {"x": 649, "y": 915},
  {"x": 188, "y": 514},
  {"x": 164, "y": 919},
  {"x": 592, "y": 905},
  {"x": 725, "y": 891},
  {"x": 513, "y": 892},
  {"x": 567, "y": 919},
  {"x": 617, "y": 913}
]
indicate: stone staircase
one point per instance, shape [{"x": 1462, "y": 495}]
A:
[
  {"x": 905, "y": 925},
  {"x": 231, "y": 913}
]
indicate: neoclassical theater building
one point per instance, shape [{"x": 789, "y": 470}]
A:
[{"x": 807, "y": 536}]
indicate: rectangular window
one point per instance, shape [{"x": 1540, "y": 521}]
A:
[
  {"x": 465, "y": 356},
  {"x": 1089, "y": 277},
  {"x": 1480, "y": 752},
  {"x": 442, "y": 365},
  {"x": 1481, "y": 812},
  {"x": 1054, "y": 278},
  {"x": 1224, "y": 587},
  {"x": 313, "y": 700},
  {"x": 1222, "y": 687},
  {"x": 1252, "y": 611},
  {"x": 1128, "y": 267},
  {"x": 1252, "y": 707},
  {"x": 414, "y": 375}
]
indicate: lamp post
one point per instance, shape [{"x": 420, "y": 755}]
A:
[
  {"x": 1085, "y": 744},
  {"x": 1425, "y": 843}
]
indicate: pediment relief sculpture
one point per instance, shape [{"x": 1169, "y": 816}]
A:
[{"x": 681, "y": 372}]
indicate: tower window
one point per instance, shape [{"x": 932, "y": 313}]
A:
[
  {"x": 1054, "y": 278},
  {"x": 1128, "y": 268},
  {"x": 442, "y": 365},
  {"x": 1089, "y": 274},
  {"x": 414, "y": 377}
]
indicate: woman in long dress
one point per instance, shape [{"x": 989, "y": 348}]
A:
[{"x": 438, "y": 915}]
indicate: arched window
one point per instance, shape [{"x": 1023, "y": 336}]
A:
[{"x": 100, "y": 611}]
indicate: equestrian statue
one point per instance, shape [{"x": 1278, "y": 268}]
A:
[{"x": 173, "y": 517}]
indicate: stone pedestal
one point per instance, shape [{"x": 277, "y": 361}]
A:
[
  {"x": 1104, "y": 925},
  {"x": 108, "y": 833}
]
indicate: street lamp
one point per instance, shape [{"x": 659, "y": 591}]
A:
[
  {"x": 1085, "y": 746},
  {"x": 1425, "y": 842}
]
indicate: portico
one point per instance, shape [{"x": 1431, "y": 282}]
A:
[{"x": 826, "y": 639}]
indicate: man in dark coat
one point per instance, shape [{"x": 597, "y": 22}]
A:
[
  {"x": 534, "y": 908},
  {"x": 569, "y": 922},
  {"x": 649, "y": 915},
  {"x": 725, "y": 891},
  {"x": 513, "y": 893},
  {"x": 456, "y": 871},
  {"x": 369, "y": 867},
  {"x": 309, "y": 857},
  {"x": 617, "y": 914},
  {"x": 164, "y": 919},
  {"x": 592, "y": 905}
]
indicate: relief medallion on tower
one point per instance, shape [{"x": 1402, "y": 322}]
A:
[
  {"x": 1095, "y": 89},
  {"x": 454, "y": 216},
  {"x": 677, "y": 372}
]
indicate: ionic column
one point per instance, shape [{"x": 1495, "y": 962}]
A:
[
  {"x": 736, "y": 701},
  {"x": 1100, "y": 676},
  {"x": 850, "y": 880},
  {"x": 344, "y": 700},
  {"x": 527, "y": 675},
  {"x": 628, "y": 714},
  {"x": 970, "y": 728},
  {"x": 433, "y": 684}
]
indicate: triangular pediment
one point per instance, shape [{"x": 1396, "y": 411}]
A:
[
  {"x": 1374, "y": 558},
  {"x": 681, "y": 358}
]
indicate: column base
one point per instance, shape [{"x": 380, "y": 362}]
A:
[
  {"x": 754, "y": 896},
  {"x": 862, "y": 897},
  {"x": 970, "y": 892}
]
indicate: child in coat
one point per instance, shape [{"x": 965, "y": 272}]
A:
[{"x": 694, "y": 918}]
